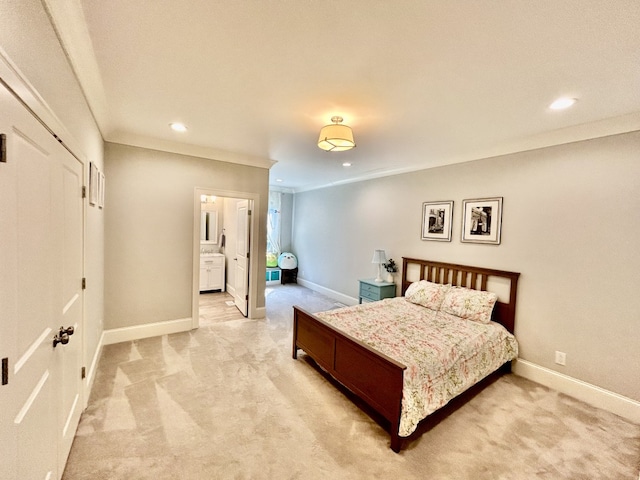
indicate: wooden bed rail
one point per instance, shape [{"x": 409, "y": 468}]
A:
[{"x": 374, "y": 377}]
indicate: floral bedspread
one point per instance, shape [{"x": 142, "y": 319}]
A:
[{"x": 444, "y": 354}]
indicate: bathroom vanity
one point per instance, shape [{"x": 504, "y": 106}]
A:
[{"x": 212, "y": 272}]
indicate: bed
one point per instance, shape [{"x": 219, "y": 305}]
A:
[{"x": 362, "y": 346}]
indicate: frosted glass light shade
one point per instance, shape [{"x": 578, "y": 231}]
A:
[{"x": 336, "y": 137}]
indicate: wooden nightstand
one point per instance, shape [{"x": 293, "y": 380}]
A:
[{"x": 371, "y": 291}]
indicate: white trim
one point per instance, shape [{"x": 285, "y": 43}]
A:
[
  {"x": 260, "y": 312},
  {"x": 181, "y": 148},
  {"x": 29, "y": 96},
  {"x": 347, "y": 300},
  {"x": 626, "y": 123},
  {"x": 598, "y": 397},
  {"x": 72, "y": 411},
  {"x": 74, "y": 298},
  {"x": 136, "y": 332},
  {"x": 32, "y": 398},
  {"x": 31, "y": 350},
  {"x": 90, "y": 378}
]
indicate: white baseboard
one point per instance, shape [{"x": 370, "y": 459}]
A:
[
  {"x": 136, "y": 332},
  {"x": 261, "y": 312},
  {"x": 598, "y": 397},
  {"x": 340, "y": 297}
]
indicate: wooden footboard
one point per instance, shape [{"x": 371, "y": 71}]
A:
[{"x": 374, "y": 377}]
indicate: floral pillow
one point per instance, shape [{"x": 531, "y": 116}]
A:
[
  {"x": 469, "y": 304},
  {"x": 427, "y": 294}
]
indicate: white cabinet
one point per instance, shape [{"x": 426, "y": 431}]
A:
[{"x": 212, "y": 272}]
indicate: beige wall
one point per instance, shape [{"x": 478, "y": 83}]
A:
[
  {"x": 570, "y": 226},
  {"x": 149, "y": 230},
  {"x": 30, "y": 42}
]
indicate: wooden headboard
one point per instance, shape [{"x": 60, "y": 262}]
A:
[{"x": 475, "y": 278}]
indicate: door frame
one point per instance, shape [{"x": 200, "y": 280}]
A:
[{"x": 254, "y": 206}]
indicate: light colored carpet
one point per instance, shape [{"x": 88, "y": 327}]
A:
[{"x": 227, "y": 401}]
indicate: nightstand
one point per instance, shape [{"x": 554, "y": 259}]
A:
[{"x": 371, "y": 291}]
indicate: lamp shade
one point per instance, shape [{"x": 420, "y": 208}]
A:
[
  {"x": 379, "y": 257},
  {"x": 336, "y": 137}
]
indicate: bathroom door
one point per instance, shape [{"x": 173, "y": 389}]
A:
[{"x": 242, "y": 256}]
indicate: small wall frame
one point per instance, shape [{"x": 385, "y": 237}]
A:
[
  {"x": 100, "y": 190},
  {"x": 482, "y": 220},
  {"x": 436, "y": 221},
  {"x": 94, "y": 182}
]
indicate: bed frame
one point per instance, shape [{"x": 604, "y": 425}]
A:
[{"x": 372, "y": 376}]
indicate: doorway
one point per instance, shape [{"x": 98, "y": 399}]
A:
[{"x": 234, "y": 244}]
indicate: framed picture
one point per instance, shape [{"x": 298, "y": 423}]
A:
[
  {"x": 100, "y": 190},
  {"x": 482, "y": 220},
  {"x": 436, "y": 221},
  {"x": 94, "y": 181}
]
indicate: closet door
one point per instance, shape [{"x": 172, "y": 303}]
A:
[
  {"x": 8, "y": 295},
  {"x": 71, "y": 300},
  {"x": 41, "y": 233},
  {"x": 27, "y": 316}
]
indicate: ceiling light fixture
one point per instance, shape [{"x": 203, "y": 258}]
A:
[
  {"x": 178, "y": 127},
  {"x": 336, "y": 137},
  {"x": 562, "y": 103}
]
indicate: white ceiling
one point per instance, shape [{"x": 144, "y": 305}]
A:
[{"x": 422, "y": 83}]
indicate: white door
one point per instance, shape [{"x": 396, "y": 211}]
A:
[
  {"x": 242, "y": 256},
  {"x": 27, "y": 310},
  {"x": 32, "y": 289},
  {"x": 69, "y": 356}
]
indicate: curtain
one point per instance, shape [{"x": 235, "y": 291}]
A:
[{"x": 273, "y": 229}]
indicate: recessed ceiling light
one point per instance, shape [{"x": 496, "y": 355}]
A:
[
  {"x": 562, "y": 103},
  {"x": 278, "y": 179},
  {"x": 346, "y": 164},
  {"x": 178, "y": 127}
]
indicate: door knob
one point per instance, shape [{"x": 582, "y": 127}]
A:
[{"x": 63, "y": 336}]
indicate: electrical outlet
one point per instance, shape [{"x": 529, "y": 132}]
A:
[{"x": 561, "y": 358}]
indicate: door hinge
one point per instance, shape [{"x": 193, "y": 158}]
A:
[
  {"x": 5, "y": 371},
  {"x": 83, "y": 373},
  {"x": 249, "y": 212},
  {"x": 246, "y": 298},
  {"x": 248, "y": 255},
  {"x": 3, "y": 148},
  {"x": 84, "y": 192},
  {"x": 84, "y": 283}
]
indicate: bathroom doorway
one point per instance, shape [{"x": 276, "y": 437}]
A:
[{"x": 223, "y": 255}]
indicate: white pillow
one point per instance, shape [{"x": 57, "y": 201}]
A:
[
  {"x": 469, "y": 304},
  {"x": 427, "y": 294}
]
